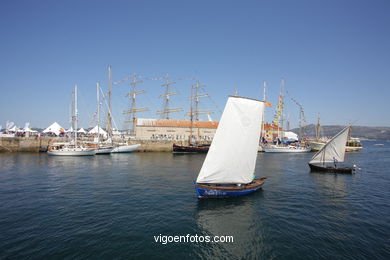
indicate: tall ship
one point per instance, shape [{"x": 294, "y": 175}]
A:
[{"x": 194, "y": 146}]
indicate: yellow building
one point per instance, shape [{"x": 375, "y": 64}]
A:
[{"x": 180, "y": 130}]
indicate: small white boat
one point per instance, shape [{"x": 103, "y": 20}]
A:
[
  {"x": 286, "y": 149},
  {"x": 125, "y": 148},
  {"x": 69, "y": 150}
]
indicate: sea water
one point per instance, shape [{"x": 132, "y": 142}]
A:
[{"x": 127, "y": 205}]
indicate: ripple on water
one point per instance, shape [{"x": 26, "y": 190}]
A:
[{"x": 113, "y": 206}]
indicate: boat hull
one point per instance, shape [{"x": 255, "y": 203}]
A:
[
  {"x": 71, "y": 153},
  {"x": 104, "y": 150},
  {"x": 215, "y": 191},
  {"x": 318, "y": 168},
  {"x": 189, "y": 149},
  {"x": 289, "y": 149},
  {"x": 353, "y": 148},
  {"x": 125, "y": 148}
]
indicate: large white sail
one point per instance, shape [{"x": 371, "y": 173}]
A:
[
  {"x": 334, "y": 150},
  {"x": 233, "y": 152}
]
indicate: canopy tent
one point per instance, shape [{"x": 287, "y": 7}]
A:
[
  {"x": 81, "y": 131},
  {"x": 98, "y": 129},
  {"x": 54, "y": 128},
  {"x": 13, "y": 129},
  {"x": 28, "y": 129},
  {"x": 70, "y": 130}
]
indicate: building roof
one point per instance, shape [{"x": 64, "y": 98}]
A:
[
  {"x": 175, "y": 123},
  {"x": 187, "y": 123}
]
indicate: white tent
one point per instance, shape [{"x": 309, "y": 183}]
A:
[
  {"x": 28, "y": 129},
  {"x": 97, "y": 129},
  {"x": 81, "y": 131},
  {"x": 13, "y": 129},
  {"x": 70, "y": 130},
  {"x": 54, "y": 128}
]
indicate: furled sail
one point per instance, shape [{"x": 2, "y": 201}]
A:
[
  {"x": 334, "y": 150},
  {"x": 233, "y": 152}
]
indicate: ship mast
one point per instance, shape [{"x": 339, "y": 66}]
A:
[
  {"x": 133, "y": 109},
  {"x": 191, "y": 115},
  {"x": 263, "y": 119},
  {"x": 75, "y": 115},
  {"x": 166, "y": 111},
  {"x": 278, "y": 119},
  {"x": 302, "y": 119},
  {"x": 98, "y": 111},
  {"x": 196, "y": 100},
  {"x": 318, "y": 128},
  {"x": 109, "y": 115}
]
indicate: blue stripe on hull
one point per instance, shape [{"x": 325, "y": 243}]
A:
[{"x": 213, "y": 193}]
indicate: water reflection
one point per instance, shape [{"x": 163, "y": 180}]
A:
[{"x": 235, "y": 217}]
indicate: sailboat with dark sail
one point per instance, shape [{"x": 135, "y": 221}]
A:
[
  {"x": 332, "y": 153},
  {"x": 229, "y": 167}
]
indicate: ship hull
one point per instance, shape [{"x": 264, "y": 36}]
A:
[
  {"x": 324, "y": 169},
  {"x": 225, "y": 191},
  {"x": 125, "y": 148},
  {"x": 288, "y": 149},
  {"x": 189, "y": 149},
  {"x": 71, "y": 153},
  {"x": 104, "y": 150}
]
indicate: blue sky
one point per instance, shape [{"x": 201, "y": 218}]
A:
[{"x": 334, "y": 56}]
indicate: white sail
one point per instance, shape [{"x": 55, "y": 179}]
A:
[
  {"x": 334, "y": 150},
  {"x": 233, "y": 152}
]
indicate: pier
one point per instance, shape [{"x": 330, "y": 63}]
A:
[{"x": 37, "y": 144}]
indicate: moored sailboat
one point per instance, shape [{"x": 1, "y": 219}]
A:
[
  {"x": 193, "y": 146},
  {"x": 229, "y": 167},
  {"x": 332, "y": 152},
  {"x": 71, "y": 149},
  {"x": 101, "y": 148}
]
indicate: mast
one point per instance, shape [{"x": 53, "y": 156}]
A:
[
  {"x": 109, "y": 115},
  {"x": 278, "y": 120},
  {"x": 133, "y": 109},
  {"x": 318, "y": 128},
  {"x": 196, "y": 100},
  {"x": 75, "y": 115},
  {"x": 98, "y": 110},
  {"x": 166, "y": 96},
  {"x": 191, "y": 114},
  {"x": 263, "y": 119},
  {"x": 282, "y": 119}
]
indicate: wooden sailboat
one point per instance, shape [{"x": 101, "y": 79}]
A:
[
  {"x": 71, "y": 149},
  {"x": 229, "y": 167},
  {"x": 333, "y": 152}
]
